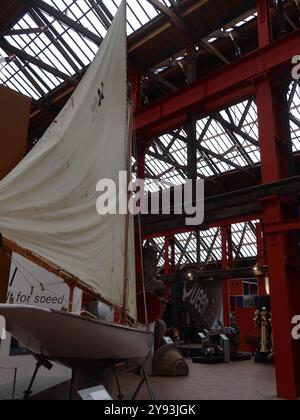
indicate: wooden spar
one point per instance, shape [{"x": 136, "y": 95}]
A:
[
  {"x": 71, "y": 298},
  {"x": 71, "y": 280},
  {"x": 128, "y": 169}
]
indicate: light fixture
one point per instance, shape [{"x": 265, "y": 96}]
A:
[
  {"x": 267, "y": 285},
  {"x": 190, "y": 276},
  {"x": 256, "y": 270}
]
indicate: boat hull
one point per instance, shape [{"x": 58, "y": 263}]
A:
[{"x": 72, "y": 339}]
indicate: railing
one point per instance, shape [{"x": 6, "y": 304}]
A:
[{"x": 15, "y": 370}]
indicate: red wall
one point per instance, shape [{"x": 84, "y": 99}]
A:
[
  {"x": 236, "y": 287},
  {"x": 244, "y": 316}
]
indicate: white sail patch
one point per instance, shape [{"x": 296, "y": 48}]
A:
[{"x": 2, "y": 328}]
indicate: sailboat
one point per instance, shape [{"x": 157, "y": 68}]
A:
[{"x": 48, "y": 215}]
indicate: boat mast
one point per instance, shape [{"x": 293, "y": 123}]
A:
[{"x": 127, "y": 222}]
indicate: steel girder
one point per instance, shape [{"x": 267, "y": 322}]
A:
[{"x": 222, "y": 88}]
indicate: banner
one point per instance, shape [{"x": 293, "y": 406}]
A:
[{"x": 203, "y": 301}]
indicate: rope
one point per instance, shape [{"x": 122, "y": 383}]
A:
[
  {"x": 25, "y": 272},
  {"x": 134, "y": 138}
]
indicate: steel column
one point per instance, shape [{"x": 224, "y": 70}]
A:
[
  {"x": 264, "y": 23},
  {"x": 227, "y": 263},
  {"x": 135, "y": 78},
  {"x": 191, "y": 130},
  {"x": 274, "y": 136},
  {"x": 285, "y": 293},
  {"x": 270, "y": 165},
  {"x": 191, "y": 126},
  {"x": 169, "y": 266},
  {"x": 261, "y": 259}
]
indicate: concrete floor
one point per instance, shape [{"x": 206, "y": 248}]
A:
[{"x": 237, "y": 381}]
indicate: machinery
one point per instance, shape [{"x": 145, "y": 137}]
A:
[{"x": 220, "y": 346}]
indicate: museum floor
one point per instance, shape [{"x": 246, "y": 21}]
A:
[{"x": 237, "y": 381}]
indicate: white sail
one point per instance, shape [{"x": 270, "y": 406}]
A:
[{"x": 48, "y": 202}]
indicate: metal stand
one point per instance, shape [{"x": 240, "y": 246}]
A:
[
  {"x": 120, "y": 395},
  {"x": 40, "y": 362},
  {"x": 28, "y": 392},
  {"x": 144, "y": 380}
]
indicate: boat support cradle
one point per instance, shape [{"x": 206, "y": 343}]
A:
[
  {"x": 144, "y": 380},
  {"x": 40, "y": 362}
]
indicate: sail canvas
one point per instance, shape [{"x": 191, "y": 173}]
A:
[{"x": 48, "y": 202}]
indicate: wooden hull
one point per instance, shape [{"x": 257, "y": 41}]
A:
[{"x": 75, "y": 340}]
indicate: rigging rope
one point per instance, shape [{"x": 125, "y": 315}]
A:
[
  {"x": 24, "y": 272},
  {"x": 134, "y": 139}
]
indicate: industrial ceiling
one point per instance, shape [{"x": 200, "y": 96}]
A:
[{"x": 46, "y": 46}]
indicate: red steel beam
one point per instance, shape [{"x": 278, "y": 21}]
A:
[
  {"x": 187, "y": 229},
  {"x": 284, "y": 226},
  {"x": 261, "y": 258},
  {"x": 227, "y": 263},
  {"x": 167, "y": 233},
  {"x": 230, "y": 82},
  {"x": 211, "y": 106}
]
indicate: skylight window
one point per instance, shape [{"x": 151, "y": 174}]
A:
[
  {"x": 64, "y": 36},
  {"x": 243, "y": 238},
  {"x": 227, "y": 141},
  {"x": 246, "y": 20}
]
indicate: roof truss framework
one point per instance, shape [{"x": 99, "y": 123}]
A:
[
  {"x": 76, "y": 28},
  {"x": 294, "y": 102},
  {"x": 227, "y": 141},
  {"x": 55, "y": 40},
  {"x": 243, "y": 238},
  {"x": 218, "y": 153}
]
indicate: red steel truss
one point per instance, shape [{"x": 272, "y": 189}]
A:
[{"x": 219, "y": 89}]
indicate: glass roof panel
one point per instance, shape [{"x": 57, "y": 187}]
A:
[
  {"x": 61, "y": 46},
  {"x": 227, "y": 141},
  {"x": 243, "y": 237}
]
